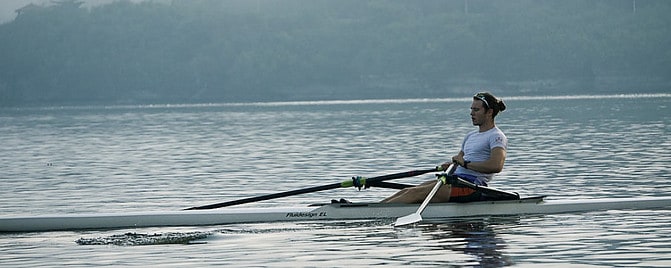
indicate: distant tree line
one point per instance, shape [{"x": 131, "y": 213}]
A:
[{"x": 263, "y": 50}]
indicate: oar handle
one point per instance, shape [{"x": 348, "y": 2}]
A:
[{"x": 363, "y": 182}]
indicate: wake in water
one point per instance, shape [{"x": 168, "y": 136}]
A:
[{"x": 135, "y": 239}]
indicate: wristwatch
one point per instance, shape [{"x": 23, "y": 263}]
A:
[{"x": 465, "y": 165}]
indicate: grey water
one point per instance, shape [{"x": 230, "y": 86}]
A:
[{"x": 168, "y": 157}]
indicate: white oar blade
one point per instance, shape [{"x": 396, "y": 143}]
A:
[
  {"x": 417, "y": 216},
  {"x": 409, "y": 219}
]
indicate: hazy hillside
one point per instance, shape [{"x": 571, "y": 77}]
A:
[{"x": 245, "y": 50}]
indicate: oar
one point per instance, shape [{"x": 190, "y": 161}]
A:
[
  {"x": 389, "y": 185},
  {"x": 356, "y": 182},
  {"x": 417, "y": 216}
]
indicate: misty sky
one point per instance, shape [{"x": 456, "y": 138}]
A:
[{"x": 8, "y": 7}]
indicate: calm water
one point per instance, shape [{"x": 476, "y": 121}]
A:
[{"x": 120, "y": 159}]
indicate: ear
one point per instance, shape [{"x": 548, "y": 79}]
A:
[{"x": 490, "y": 112}]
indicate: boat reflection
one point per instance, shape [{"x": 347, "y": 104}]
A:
[{"x": 475, "y": 237}]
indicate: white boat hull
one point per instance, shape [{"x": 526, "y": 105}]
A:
[{"x": 320, "y": 212}]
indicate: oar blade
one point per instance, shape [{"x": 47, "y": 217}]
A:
[
  {"x": 417, "y": 216},
  {"x": 409, "y": 219}
]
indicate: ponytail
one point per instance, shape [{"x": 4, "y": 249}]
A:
[{"x": 491, "y": 102}]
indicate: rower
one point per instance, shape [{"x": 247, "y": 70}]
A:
[{"x": 482, "y": 154}]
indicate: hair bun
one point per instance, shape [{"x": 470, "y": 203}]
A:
[{"x": 501, "y": 105}]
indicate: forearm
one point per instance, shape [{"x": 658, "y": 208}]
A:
[
  {"x": 492, "y": 165},
  {"x": 488, "y": 166}
]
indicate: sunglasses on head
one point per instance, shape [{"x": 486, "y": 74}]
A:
[{"x": 481, "y": 96}]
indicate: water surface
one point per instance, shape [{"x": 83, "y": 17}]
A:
[{"x": 169, "y": 157}]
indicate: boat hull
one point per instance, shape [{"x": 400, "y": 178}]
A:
[{"x": 318, "y": 212}]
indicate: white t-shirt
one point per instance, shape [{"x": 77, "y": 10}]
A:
[{"x": 477, "y": 147}]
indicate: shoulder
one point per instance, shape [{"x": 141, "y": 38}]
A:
[
  {"x": 497, "y": 138},
  {"x": 496, "y": 132}
]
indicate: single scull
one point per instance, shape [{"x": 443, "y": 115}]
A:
[{"x": 324, "y": 212}]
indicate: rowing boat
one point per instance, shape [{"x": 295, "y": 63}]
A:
[{"x": 323, "y": 212}]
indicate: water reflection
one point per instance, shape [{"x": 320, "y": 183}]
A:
[{"x": 474, "y": 237}]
